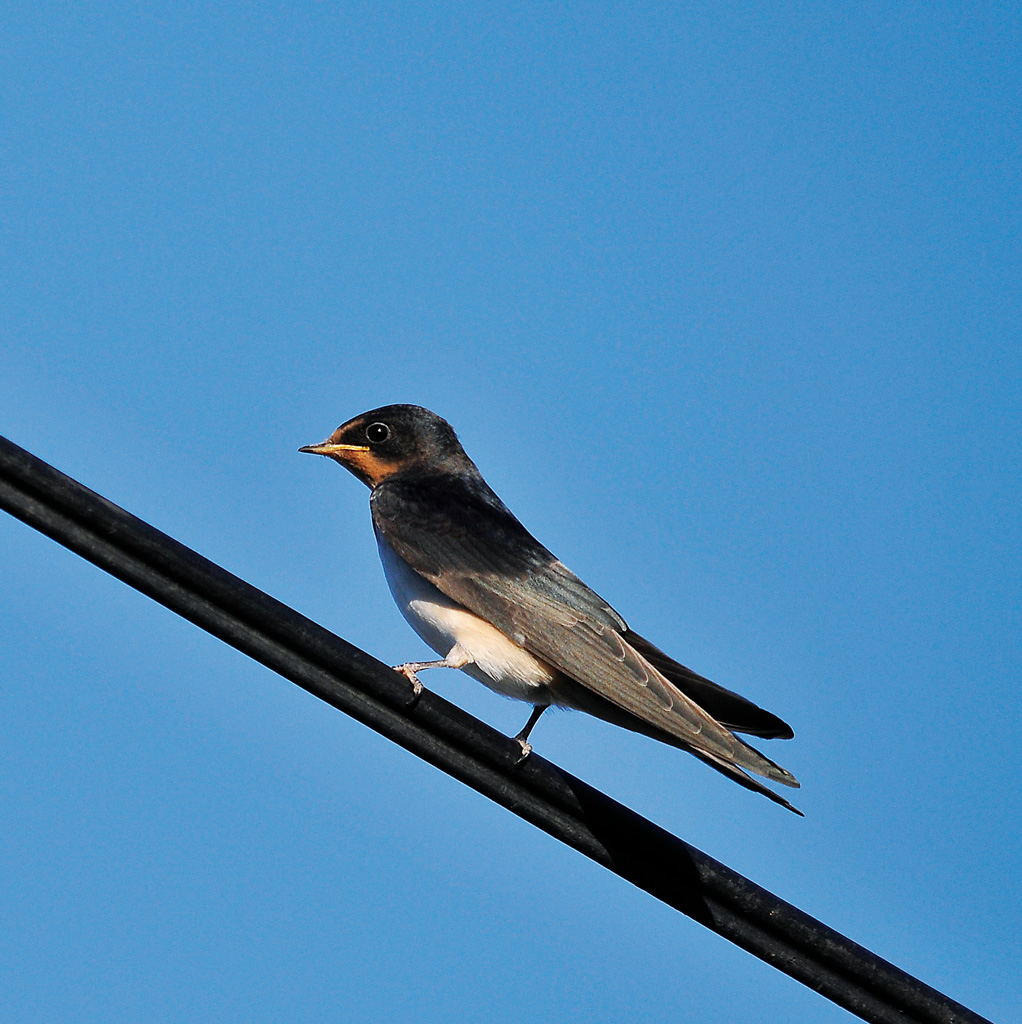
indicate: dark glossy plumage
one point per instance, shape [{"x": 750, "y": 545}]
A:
[{"x": 434, "y": 509}]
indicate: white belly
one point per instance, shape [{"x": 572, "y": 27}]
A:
[{"x": 444, "y": 624}]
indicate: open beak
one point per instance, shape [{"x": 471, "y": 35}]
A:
[{"x": 326, "y": 448}]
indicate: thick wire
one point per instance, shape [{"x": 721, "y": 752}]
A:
[{"x": 445, "y": 736}]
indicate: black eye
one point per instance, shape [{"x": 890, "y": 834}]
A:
[{"x": 377, "y": 433}]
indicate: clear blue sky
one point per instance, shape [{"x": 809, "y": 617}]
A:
[{"x": 723, "y": 300}]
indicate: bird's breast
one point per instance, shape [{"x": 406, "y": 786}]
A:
[{"x": 497, "y": 662}]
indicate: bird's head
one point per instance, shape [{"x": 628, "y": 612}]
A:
[{"x": 382, "y": 442}]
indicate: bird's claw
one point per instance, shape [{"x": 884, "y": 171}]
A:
[
  {"x": 409, "y": 673},
  {"x": 526, "y": 751}
]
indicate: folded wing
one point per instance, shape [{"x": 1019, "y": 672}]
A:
[{"x": 460, "y": 536}]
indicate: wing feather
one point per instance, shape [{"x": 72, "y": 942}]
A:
[{"x": 462, "y": 538}]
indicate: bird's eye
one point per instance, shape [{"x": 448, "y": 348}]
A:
[{"x": 377, "y": 433}]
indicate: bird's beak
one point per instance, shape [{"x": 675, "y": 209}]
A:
[{"x": 326, "y": 448}]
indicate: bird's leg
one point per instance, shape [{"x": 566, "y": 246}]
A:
[
  {"x": 457, "y": 657},
  {"x": 523, "y": 736}
]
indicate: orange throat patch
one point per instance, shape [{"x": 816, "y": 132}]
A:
[{"x": 366, "y": 465}]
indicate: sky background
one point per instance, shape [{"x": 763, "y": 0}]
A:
[{"x": 724, "y": 302}]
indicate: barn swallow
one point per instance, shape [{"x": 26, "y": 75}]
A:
[{"x": 484, "y": 594}]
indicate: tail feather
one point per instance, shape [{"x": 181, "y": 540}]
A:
[
  {"x": 715, "y": 740},
  {"x": 734, "y": 763},
  {"x": 735, "y": 774},
  {"x": 731, "y": 709}
]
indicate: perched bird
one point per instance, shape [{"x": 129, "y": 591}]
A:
[{"x": 484, "y": 594}]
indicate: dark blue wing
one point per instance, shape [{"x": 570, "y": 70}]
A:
[{"x": 458, "y": 534}]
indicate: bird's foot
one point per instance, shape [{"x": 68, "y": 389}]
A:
[
  {"x": 408, "y": 671},
  {"x": 523, "y": 736},
  {"x": 526, "y": 751}
]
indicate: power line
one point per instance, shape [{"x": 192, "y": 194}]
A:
[{"x": 452, "y": 740}]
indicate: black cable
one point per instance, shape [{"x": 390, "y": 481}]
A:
[{"x": 447, "y": 737}]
